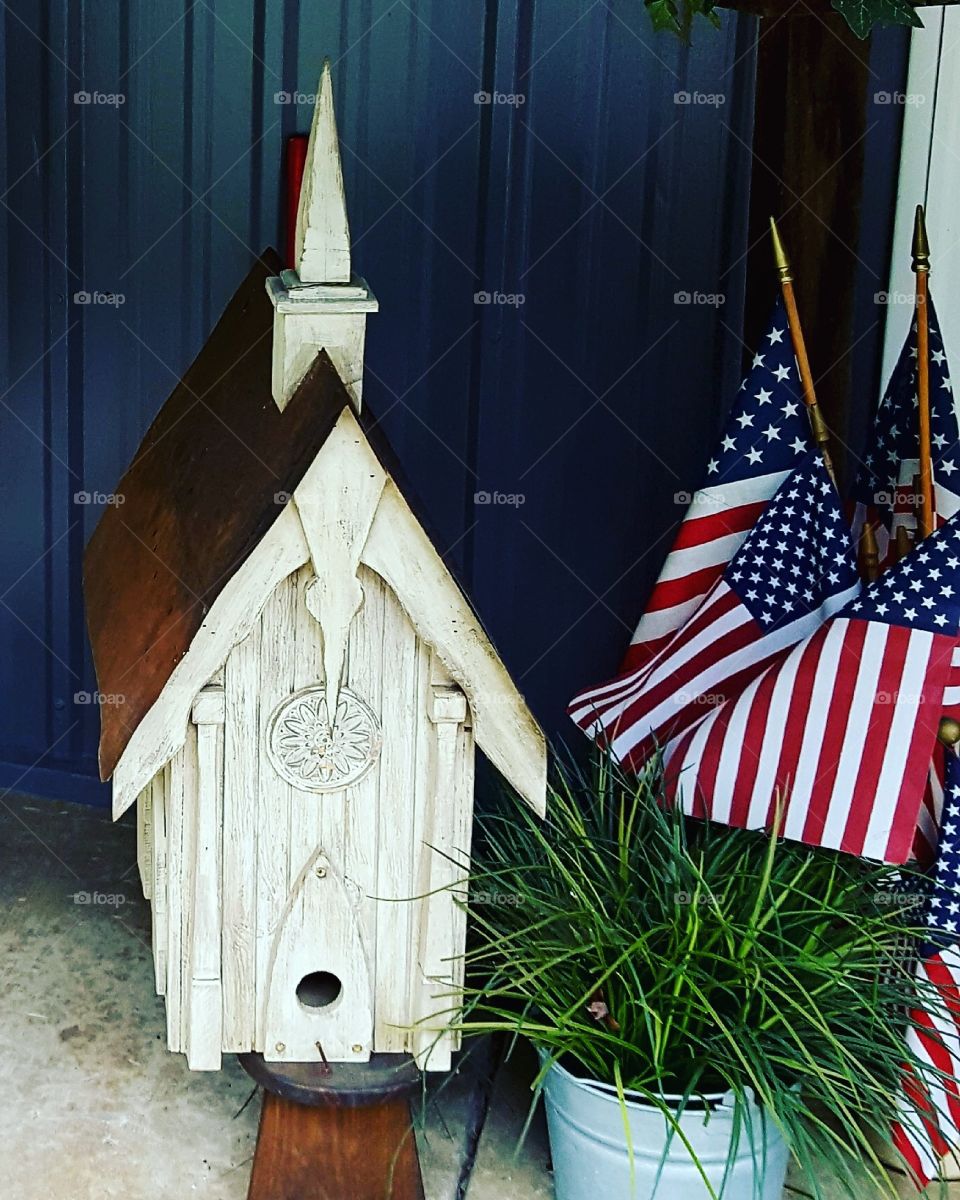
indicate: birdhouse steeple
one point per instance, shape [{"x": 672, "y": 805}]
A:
[
  {"x": 323, "y": 231},
  {"x": 321, "y": 305}
]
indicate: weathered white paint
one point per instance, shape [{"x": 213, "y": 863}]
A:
[
  {"x": 400, "y": 551},
  {"x": 145, "y": 840},
  {"x": 260, "y": 872},
  {"x": 336, "y": 501},
  {"x": 162, "y": 731},
  {"x": 158, "y": 906},
  {"x": 320, "y": 305},
  {"x": 303, "y": 326},
  {"x": 322, "y": 239},
  {"x": 433, "y": 983},
  {"x": 203, "y": 1000},
  {"x": 240, "y": 840},
  {"x": 319, "y": 932}
]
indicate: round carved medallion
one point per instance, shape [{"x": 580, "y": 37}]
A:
[{"x": 309, "y": 754}]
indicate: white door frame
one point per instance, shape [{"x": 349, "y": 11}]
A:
[{"x": 929, "y": 175}]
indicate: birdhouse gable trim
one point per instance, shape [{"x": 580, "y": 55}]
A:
[{"x": 345, "y": 511}]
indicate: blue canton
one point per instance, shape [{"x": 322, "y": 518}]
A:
[
  {"x": 799, "y": 552},
  {"x": 895, "y": 436},
  {"x": 767, "y": 429},
  {"x": 942, "y": 915},
  {"x": 922, "y": 591}
]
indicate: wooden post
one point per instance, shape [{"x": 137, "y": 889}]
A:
[
  {"x": 902, "y": 543},
  {"x": 921, "y": 269},
  {"x": 868, "y": 557},
  {"x": 821, "y": 435},
  {"x": 337, "y": 1131}
]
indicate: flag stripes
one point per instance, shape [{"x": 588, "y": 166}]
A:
[{"x": 840, "y": 733}]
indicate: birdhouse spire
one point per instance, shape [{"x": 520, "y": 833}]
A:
[
  {"x": 320, "y": 305},
  {"x": 322, "y": 241}
]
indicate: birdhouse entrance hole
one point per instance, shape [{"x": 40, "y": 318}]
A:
[{"x": 318, "y": 989}]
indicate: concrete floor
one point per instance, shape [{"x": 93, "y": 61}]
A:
[{"x": 93, "y": 1106}]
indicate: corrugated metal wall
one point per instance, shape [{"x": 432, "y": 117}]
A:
[{"x": 592, "y": 194}]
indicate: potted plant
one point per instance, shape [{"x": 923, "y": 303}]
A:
[{"x": 706, "y": 1001}]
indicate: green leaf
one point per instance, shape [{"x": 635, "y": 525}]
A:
[
  {"x": 663, "y": 15},
  {"x": 862, "y": 15}
]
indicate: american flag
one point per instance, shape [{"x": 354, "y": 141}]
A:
[
  {"x": 886, "y": 489},
  {"x": 794, "y": 570},
  {"x": 841, "y": 730},
  {"x": 929, "y": 1126},
  {"x": 766, "y": 434}
]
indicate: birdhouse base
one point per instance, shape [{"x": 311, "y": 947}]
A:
[{"x": 341, "y": 1131}]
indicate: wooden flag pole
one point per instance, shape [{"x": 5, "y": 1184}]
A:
[
  {"x": 868, "y": 556},
  {"x": 821, "y": 435},
  {"x": 921, "y": 270}
]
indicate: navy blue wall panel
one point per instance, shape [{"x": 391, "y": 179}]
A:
[{"x": 586, "y": 191}]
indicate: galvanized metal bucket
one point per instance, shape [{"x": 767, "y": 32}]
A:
[{"x": 591, "y": 1158}]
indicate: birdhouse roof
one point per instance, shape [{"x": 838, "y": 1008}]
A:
[{"x": 176, "y": 572}]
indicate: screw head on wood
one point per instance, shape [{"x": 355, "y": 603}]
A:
[
  {"x": 356, "y": 1048},
  {"x": 321, "y": 872},
  {"x": 281, "y": 1046}
]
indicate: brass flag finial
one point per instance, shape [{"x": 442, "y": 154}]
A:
[
  {"x": 780, "y": 254},
  {"x": 921, "y": 247}
]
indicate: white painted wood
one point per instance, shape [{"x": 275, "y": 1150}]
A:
[
  {"x": 404, "y": 664},
  {"x": 181, "y": 782},
  {"x": 399, "y": 551},
  {"x": 315, "y": 820},
  {"x": 240, "y": 838},
  {"x": 322, "y": 239},
  {"x": 145, "y": 840},
  {"x": 321, "y": 305},
  {"x": 319, "y": 932},
  {"x": 277, "y": 672},
  {"x": 358, "y": 812},
  {"x": 462, "y": 843},
  {"x": 260, "y": 868},
  {"x": 203, "y": 998},
  {"x": 299, "y": 336},
  {"x": 162, "y": 731},
  {"x": 158, "y": 905},
  {"x": 929, "y": 175},
  {"x": 432, "y": 981},
  {"x": 336, "y": 501}
]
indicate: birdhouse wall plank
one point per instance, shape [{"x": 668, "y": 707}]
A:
[
  {"x": 203, "y": 1001},
  {"x": 144, "y": 840},
  {"x": 158, "y": 906},
  {"x": 276, "y": 675},
  {"x": 240, "y": 838},
  {"x": 314, "y": 820},
  {"x": 435, "y": 969},
  {"x": 180, "y": 890},
  {"x": 365, "y": 651},
  {"x": 405, "y": 667},
  {"x": 462, "y": 841}
]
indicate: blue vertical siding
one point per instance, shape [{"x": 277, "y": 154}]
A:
[{"x": 592, "y": 198}]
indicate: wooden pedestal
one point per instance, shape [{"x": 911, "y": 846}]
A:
[{"x": 341, "y": 1132}]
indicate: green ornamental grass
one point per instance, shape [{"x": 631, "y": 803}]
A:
[{"x": 676, "y": 957}]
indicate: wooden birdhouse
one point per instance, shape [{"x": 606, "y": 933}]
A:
[{"x": 296, "y": 683}]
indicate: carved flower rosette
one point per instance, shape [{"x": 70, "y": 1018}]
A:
[{"x": 314, "y": 757}]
